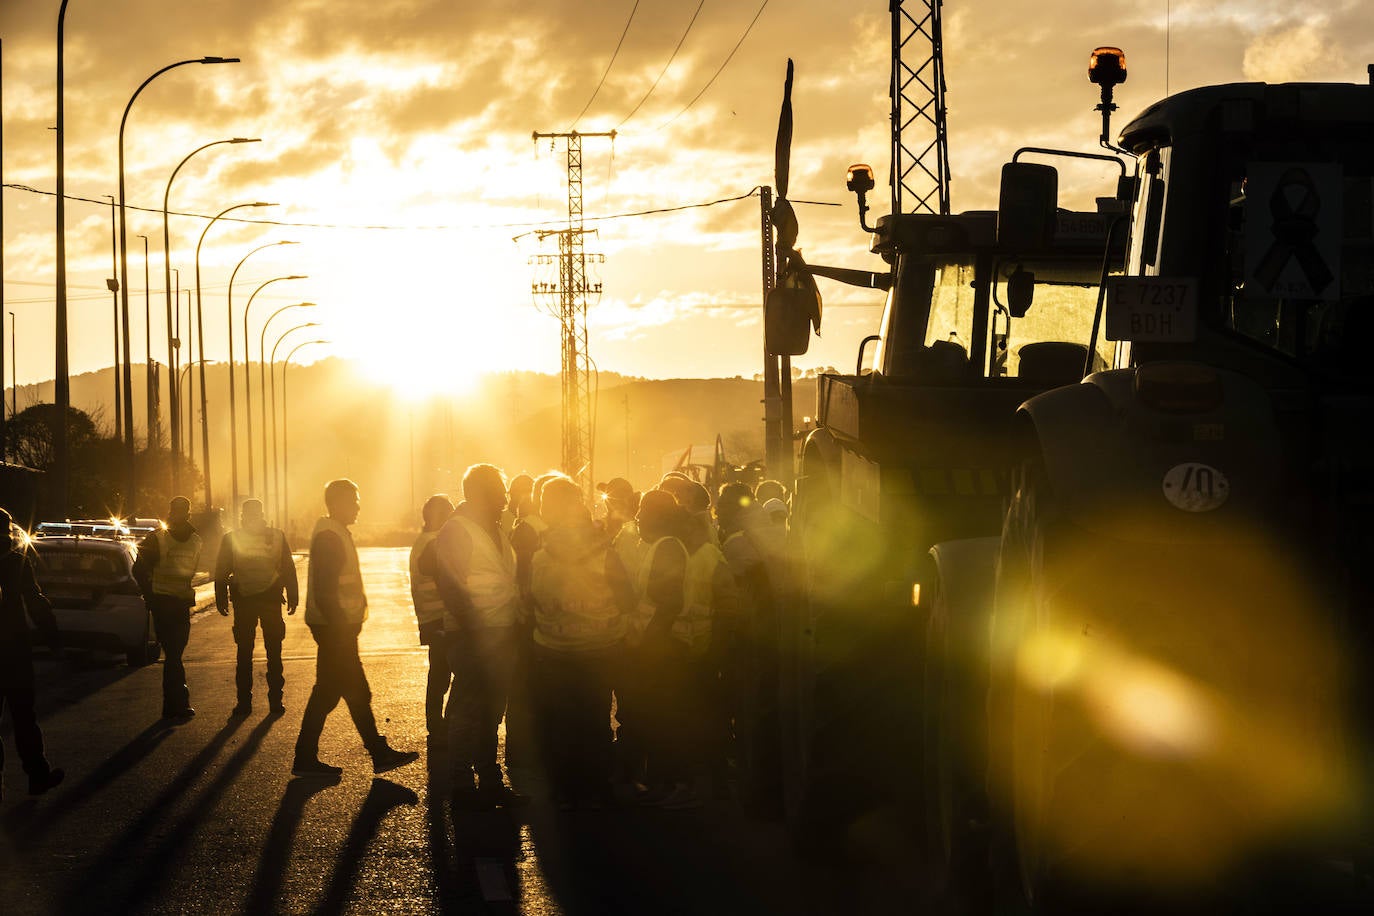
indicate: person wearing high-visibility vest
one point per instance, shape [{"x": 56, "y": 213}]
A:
[
  {"x": 335, "y": 608},
  {"x": 581, "y": 600},
  {"x": 164, "y": 570},
  {"x": 254, "y": 572},
  {"x": 476, "y": 573},
  {"x": 526, "y": 534},
  {"x": 429, "y": 612}
]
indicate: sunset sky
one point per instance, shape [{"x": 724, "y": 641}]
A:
[{"x": 417, "y": 115}]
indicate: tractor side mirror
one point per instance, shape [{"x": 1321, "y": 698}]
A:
[
  {"x": 1027, "y": 205},
  {"x": 1020, "y": 292}
]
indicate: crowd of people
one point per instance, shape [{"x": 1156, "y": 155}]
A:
[{"x": 628, "y": 643}]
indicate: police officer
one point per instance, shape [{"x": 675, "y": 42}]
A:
[
  {"x": 253, "y": 571},
  {"x": 166, "y": 564},
  {"x": 429, "y": 612},
  {"x": 335, "y": 608},
  {"x": 20, "y": 596}
]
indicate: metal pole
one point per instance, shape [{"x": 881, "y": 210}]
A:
[
  {"x": 174, "y": 343},
  {"x": 4, "y": 448},
  {"x": 772, "y": 386},
  {"x": 112, "y": 284},
  {"x": 200, "y": 333},
  {"x": 149, "y": 384},
  {"x": 272, "y": 368},
  {"x": 190, "y": 382},
  {"x": 285, "y": 432},
  {"x": 131, "y": 505},
  {"x": 14, "y": 370},
  {"x": 247, "y": 378},
  {"x": 262, "y": 384},
  {"x": 61, "y": 383}
]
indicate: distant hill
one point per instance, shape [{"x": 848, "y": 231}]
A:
[{"x": 399, "y": 451}]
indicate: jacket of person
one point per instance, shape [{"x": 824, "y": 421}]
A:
[
  {"x": 659, "y": 588},
  {"x": 167, "y": 562},
  {"x": 255, "y": 566},
  {"x": 580, "y": 592},
  {"x": 476, "y": 575},
  {"x": 334, "y": 595},
  {"x": 424, "y": 588},
  {"x": 22, "y": 599}
]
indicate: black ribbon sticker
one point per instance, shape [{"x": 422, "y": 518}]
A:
[{"x": 1294, "y": 229}]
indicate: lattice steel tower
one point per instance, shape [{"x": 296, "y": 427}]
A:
[
  {"x": 570, "y": 292},
  {"x": 920, "y": 144}
]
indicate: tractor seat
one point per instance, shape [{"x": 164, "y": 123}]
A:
[{"x": 1052, "y": 363}]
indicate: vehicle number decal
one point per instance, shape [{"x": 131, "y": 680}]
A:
[
  {"x": 1196, "y": 487},
  {"x": 1152, "y": 309}
]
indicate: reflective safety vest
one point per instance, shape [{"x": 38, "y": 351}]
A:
[
  {"x": 490, "y": 583},
  {"x": 257, "y": 559},
  {"x": 352, "y": 600},
  {"x": 575, "y": 609},
  {"x": 693, "y": 625},
  {"x": 176, "y": 565},
  {"x": 424, "y": 590},
  {"x": 644, "y": 609},
  {"x": 630, "y": 548}
]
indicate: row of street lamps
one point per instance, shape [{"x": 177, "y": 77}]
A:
[{"x": 119, "y": 287}]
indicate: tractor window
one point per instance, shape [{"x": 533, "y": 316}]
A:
[
  {"x": 951, "y": 308},
  {"x": 1049, "y": 343},
  {"x": 1300, "y": 253}
]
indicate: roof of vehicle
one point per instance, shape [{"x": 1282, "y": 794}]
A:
[{"x": 65, "y": 542}]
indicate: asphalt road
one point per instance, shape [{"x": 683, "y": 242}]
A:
[{"x": 205, "y": 817}]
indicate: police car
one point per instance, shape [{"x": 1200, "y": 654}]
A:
[{"x": 90, "y": 582}]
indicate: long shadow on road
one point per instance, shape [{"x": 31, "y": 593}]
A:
[
  {"x": 276, "y": 853},
  {"x": 472, "y": 853},
  {"x": 384, "y": 796},
  {"x": 109, "y": 883}
]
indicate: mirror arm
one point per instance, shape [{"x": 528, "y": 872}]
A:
[{"x": 863, "y": 345}]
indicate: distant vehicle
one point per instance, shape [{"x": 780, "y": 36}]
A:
[{"x": 95, "y": 599}]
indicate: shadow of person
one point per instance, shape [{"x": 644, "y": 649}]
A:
[
  {"x": 276, "y": 853},
  {"x": 109, "y": 883},
  {"x": 472, "y": 853},
  {"x": 382, "y": 798},
  {"x": 19, "y": 822}
]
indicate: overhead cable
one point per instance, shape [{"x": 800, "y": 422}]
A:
[
  {"x": 721, "y": 69},
  {"x": 609, "y": 64},
  {"x": 663, "y": 72}
]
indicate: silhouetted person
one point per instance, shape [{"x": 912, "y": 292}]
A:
[
  {"x": 166, "y": 565},
  {"x": 526, "y": 537},
  {"x": 429, "y": 612},
  {"x": 21, "y": 599},
  {"x": 255, "y": 572},
  {"x": 476, "y": 573},
  {"x": 582, "y": 601},
  {"x": 519, "y": 502},
  {"x": 335, "y": 608}
]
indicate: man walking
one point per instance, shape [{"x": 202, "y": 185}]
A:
[
  {"x": 253, "y": 571},
  {"x": 335, "y": 608},
  {"x": 476, "y": 574},
  {"x": 20, "y": 597},
  {"x": 166, "y": 565},
  {"x": 429, "y": 612}
]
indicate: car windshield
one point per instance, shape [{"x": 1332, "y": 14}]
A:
[{"x": 77, "y": 564}]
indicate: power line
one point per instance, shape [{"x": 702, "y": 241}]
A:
[
  {"x": 719, "y": 70},
  {"x": 610, "y": 64},
  {"x": 431, "y": 228},
  {"x": 664, "y": 71}
]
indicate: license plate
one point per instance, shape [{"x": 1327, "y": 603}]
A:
[{"x": 1152, "y": 309}]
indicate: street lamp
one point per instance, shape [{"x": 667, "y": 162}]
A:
[
  {"x": 247, "y": 377},
  {"x": 131, "y": 504},
  {"x": 262, "y": 385},
  {"x": 112, "y": 285},
  {"x": 62, "y": 394},
  {"x": 272, "y": 370},
  {"x": 200, "y": 332},
  {"x": 233, "y": 408},
  {"x": 150, "y": 387},
  {"x": 174, "y": 344},
  {"x": 285, "y": 517}
]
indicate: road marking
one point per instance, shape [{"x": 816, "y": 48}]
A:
[{"x": 491, "y": 878}]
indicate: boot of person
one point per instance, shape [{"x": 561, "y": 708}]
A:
[{"x": 386, "y": 758}]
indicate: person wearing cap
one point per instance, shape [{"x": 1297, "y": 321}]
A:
[
  {"x": 476, "y": 576},
  {"x": 429, "y": 612},
  {"x": 335, "y": 610},
  {"x": 622, "y": 503},
  {"x": 164, "y": 570},
  {"x": 519, "y": 499},
  {"x": 581, "y": 600},
  {"x": 255, "y": 571},
  {"x": 22, "y": 600}
]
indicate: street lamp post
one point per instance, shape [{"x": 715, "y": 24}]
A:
[
  {"x": 262, "y": 385},
  {"x": 247, "y": 377},
  {"x": 233, "y": 406},
  {"x": 124, "y": 270},
  {"x": 200, "y": 333},
  {"x": 174, "y": 344},
  {"x": 61, "y": 382},
  {"x": 149, "y": 385},
  {"x": 285, "y": 430},
  {"x": 112, "y": 285},
  {"x": 272, "y": 371}
]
